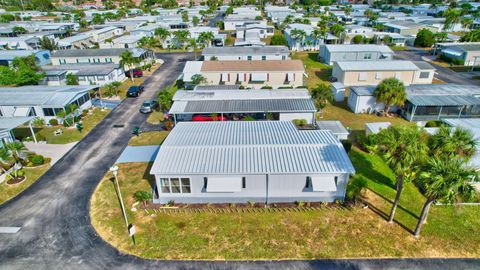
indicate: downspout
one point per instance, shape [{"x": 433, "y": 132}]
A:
[
  {"x": 439, "y": 113},
  {"x": 266, "y": 191}
]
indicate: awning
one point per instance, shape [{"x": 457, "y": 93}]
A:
[
  {"x": 224, "y": 184},
  {"x": 259, "y": 77},
  {"x": 21, "y": 111},
  {"x": 324, "y": 183},
  {"x": 452, "y": 52},
  {"x": 224, "y": 77},
  {"x": 290, "y": 77}
]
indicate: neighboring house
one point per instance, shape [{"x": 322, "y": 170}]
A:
[
  {"x": 246, "y": 53},
  {"x": 335, "y": 127},
  {"x": 43, "y": 101},
  {"x": 355, "y": 29},
  {"x": 259, "y": 29},
  {"x": 250, "y": 74},
  {"x": 87, "y": 74},
  {"x": 145, "y": 31},
  {"x": 439, "y": 101},
  {"x": 274, "y": 104},
  {"x": 277, "y": 14},
  {"x": 242, "y": 161},
  {"x": 97, "y": 56},
  {"x": 42, "y": 57},
  {"x": 127, "y": 42},
  {"x": 100, "y": 35},
  {"x": 308, "y": 42},
  {"x": 19, "y": 43},
  {"x": 8, "y": 124},
  {"x": 361, "y": 100},
  {"x": 232, "y": 21},
  {"x": 407, "y": 27},
  {"x": 354, "y": 52},
  {"x": 466, "y": 54},
  {"x": 356, "y": 73},
  {"x": 79, "y": 41},
  {"x": 395, "y": 39}
]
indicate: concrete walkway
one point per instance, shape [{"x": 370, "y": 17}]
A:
[
  {"x": 139, "y": 154},
  {"x": 53, "y": 151}
]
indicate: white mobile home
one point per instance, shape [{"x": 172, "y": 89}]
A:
[
  {"x": 259, "y": 161},
  {"x": 246, "y": 53}
]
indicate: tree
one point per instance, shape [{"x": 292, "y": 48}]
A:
[
  {"x": 18, "y": 150},
  {"x": 403, "y": 149},
  {"x": 198, "y": 79},
  {"x": 278, "y": 40},
  {"x": 192, "y": 43},
  {"x": 165, "y": 97},
  {"x": 358, "y": 39},
  {"x": 298, "y": 35},
  {"x": 195, "y": 20},
  {"x": 425, "y": 38},
  {"x": 142, "y": 196},
  {"x": 444, "y": 179},
  {"x": 185, "y": 16},
  {"x": 111, "y": 89},
  {"x": 127, "y": 59},
  {"x": 337, "y": 30},
  {"x": 8, "y": 76},
  {"x": 19, "y": 30},
  {"x": 48, "y": 44},
  {"x": 322, "y": 95},
  {"x": 71, "y": 79},
  {"x": 162, "y": 34},
  {"x": 206, "y": 38},
  {"x": 318, "y": 34},
  {"x": 466, "y": 22},
  {"x": 441, "y": 36},
  {"x": 471, "y": 36},
  {"x": 42, "y": 5},
  {"x": 181, "y": 37},
  {"x": 390, "y": 92},
  {"x": 452, "y": 17},
  {"x": 448, "y": 143},
  {"x": 97, "y": 19},
  {"x": 5, "y": 157}
]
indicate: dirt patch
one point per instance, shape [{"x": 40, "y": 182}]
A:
[{"x": 16, "y": 180}]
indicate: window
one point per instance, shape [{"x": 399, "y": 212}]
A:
[
  {"x": 264, "y": 57},
  {"x": 378, "y": 76},
  {"x": 244, "y": 182},
  {"x": 398, "y": 75},
  {"x": 424, "y": 75},
  {"x": 205, "y": 182},
  {"x": 175, "y": 185},
  {"x": 249, "y": 58},
  {"x": 32, "y": 112},
  {"x": 362, "y": 76},
  {"x": 367, "y": 56},
  {"x": 308, "y": 182},
  {"x": 48, "y": 112},
  {"x": 283, "y": 57},
  {"x": 336, "y": 180}
]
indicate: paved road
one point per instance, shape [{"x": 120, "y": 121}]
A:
[
  {"x": 56, "y": 232},
  {"x": 445, "y": 74}
]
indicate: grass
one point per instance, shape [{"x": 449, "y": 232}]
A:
[
  {"x": 69, "y": 135},
  {"x": 324, "y": 233},
  {"x": 398, "y": 48},
  {"x": 9, "y": 191},
  {"x": 148, "y": 138},
  {"x": 155, "y": 117},
  {"x": 317, "y": 72},
  {"x": 122, "y": 90}
]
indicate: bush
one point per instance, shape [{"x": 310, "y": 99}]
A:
[
  {"x": 266, "y": 87},
  {"x": 458, "y": 62},
  {"x": 278, "y": 40},
  {"x": 347, "y": 144},
  {"x": 368, "y": 143},
  {"x": 355, "y": 188},
  {"x": 53, "y": 122},
  {"x": 67, "y": 122},
  {"x": 37, "y": 160},
  {"x": 168, "y": 125},
  {"x": 299, "y": 122},
  {"x": 434, "y": 123},
  {"x": 299, "y": 203},
  {"x": 425, "y": 38},
  {"x": 358, "y": 39},
  {"x": 142, "y": 196}
]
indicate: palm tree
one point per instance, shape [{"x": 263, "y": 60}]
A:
[
  {"x": 48, "y": 44},
  {"x": 17, "y": 149},
  {"x": 448, "y": 143},
  {"x": 162, "y": 35},
  {"x": 127, "y": 59},
  {"x": 337, "y": 30},
  {"x": 390, "y": 92},
  {"x": 181, "y": 37},
  {"x": 318, "y": 34},
  {"x": 206, "y": 38},
  {"x": 444, "y": 179},
  {"x": 5, "y": 157},
  {"x": 298, "y": 35},
  {"x": 452, "y": 17},
  {"x": 466, "y": 22},
  {"x": 403, "y": 149},
  {"x": 192, "y": 43}
]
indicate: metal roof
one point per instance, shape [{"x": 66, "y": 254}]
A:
[
  {"x": 443, "y": 89},
  {"x": 9, "y": 123},
  {"x": 12, "y": 54},
  {"x": 40, "y": 95},
  {"x": 358, "y": 48},
  {"x": 245, "y": 50},
  {"x": 442, "y": 100},
  {"x": 251, "y": 66},
  {"x": 244, "y": 147},
  {"x": 423, "y": 65},
  {"x": 363, "y": 90},
  {"x": 84, "y": 69},
  {"x": 95, "y": 52},
  {"x": 335, "y": 127},
  {"x": 396, "y": 65},
  {"x": 217, "y": 87}
]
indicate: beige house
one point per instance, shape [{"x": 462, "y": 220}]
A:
[
  {"x": 99, "y": 56},
  {"x": 249, "y": 74},
  {"x": 357, "y": 73}
]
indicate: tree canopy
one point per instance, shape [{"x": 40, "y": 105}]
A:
[
  {"x": 390, "y": 92},
  {"x": 425, "y": 38}
]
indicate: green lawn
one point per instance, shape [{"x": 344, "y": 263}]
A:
[
  {"x": 69, "y": 135},
  {"x": 155, "y": 118},
  {"x": 350, "y": 232},
  {"x": 9, "y": 191},
  {"x": 148, "y": 138},
  {"x": 317, "y": 72}
]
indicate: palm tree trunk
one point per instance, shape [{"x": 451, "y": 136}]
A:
[
  {"x": 397, "y": 198},
  {"x": 131, "y": 74},
  {"x": 423, "y": 217}
]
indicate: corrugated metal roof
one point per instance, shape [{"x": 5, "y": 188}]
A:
[
  {"x": 9, "y": 123},
  {"x": 443, "y": 100},
  {"x": 246, "y": 106},
  {"x": 245, "y": 50},
  {"x": 49, "y": 96},
  {"x": 358, "y": 48},
  {"x": 262, "y": 147},
  {"x": 335, "y": 127},
  {"x": 217, "y": 87},
  {"x": 250, "y": 66},
  {"x": 443, "y": 89},
  {"x": 398, "y": 65}
]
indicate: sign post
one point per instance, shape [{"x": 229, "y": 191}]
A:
[{"x": 131, "y": 231}]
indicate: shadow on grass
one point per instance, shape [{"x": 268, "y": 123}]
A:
[
  {"x": 147, "y": 176},
  {"x": 313, "y": 56},
  {"x": 399, "y": 206},
  {"x": 365, "y": 168}
]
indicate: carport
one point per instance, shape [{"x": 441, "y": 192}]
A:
[{"x": 8, "y": 124}]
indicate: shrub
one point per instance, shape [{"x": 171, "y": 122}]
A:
[
  {"x": 37, "y": 160},
  {"x": 248, "y": 118},
  {"x": 53, "y": 122},
  {"x": 38, "y": 122},
  {"x": 142, "y": 196},
  {"x": 425, "y": 38},
  {"x": 358, "y": 39},
  {"x": 299, "y": 203},
  {"x": 266, "y": 87},
  {"x": 251, "y": 203},
  {"x": 299, "y": 122},
  {"x": 368, "y": 143},
  {"x": 347, "y": 144},
  {"x": 355, "y": 188},
  {"x": 278, "y": 39},
  {"x": 171, "y": 203},
  {"x": 168, "y": 125}
]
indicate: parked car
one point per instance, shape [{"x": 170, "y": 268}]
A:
[
  {"x": 148, "y": 106},
  {"x": 134, "y": 91},
  {"x": 137, "y": 73},
  {"x": 207, "y": 117}
]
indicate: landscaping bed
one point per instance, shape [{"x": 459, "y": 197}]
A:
[{"x": 8, "y": 191}]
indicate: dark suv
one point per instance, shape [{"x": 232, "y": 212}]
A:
[{"x": 134, "y": 91}]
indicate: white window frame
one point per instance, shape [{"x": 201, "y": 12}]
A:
[
  {"x": 378, "y": 76},
  {"x": 362, "y": 76},
  {"x": 169, "y": 185}
]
